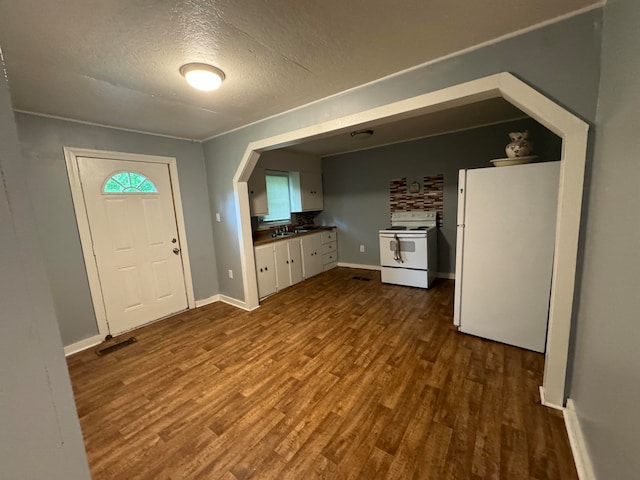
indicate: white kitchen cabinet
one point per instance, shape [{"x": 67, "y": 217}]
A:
[
  {"x": 265, "y": 270},
  {"x": 257, "y": 186},
  {"x": 329, "y": 249},
  {"x": 311, "y": 255},
  {"x": 306, "y": 191},
  {"x": 288, "y": 260},
  {"x": 328, "y": 236}
]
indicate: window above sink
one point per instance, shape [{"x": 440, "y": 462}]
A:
[{"x": 278, "y": 199}]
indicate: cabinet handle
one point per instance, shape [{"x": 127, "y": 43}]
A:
[
  {"x": 292, "y": 260},
  {"x": 287, "y": 262},
  {"x": 266, "y": 269},
  {"x": 261, "y": 270}
]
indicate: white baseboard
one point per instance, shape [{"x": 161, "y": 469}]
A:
[
  {"x": 578, "y": 445},
  {"x": 447, "y": 275},
  {"x": 223, "y": 298},
  {"x": 544, "y": 402},
  {"x": 235, "y": 302},
  {"x": 83, "y": 345},
  {"x": 207, "y": 301},
  {"x": 97, "y": 339},
  {"x": 357, "y": 265}
]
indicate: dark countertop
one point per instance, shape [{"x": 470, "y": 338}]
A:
[{"x": 263, "y": 237}]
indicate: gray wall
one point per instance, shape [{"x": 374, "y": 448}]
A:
[
  {"x": 606, "y": 373},
  {"x": 289, "y": 161},
  {"x": 39, "y": 430},
  {"x": 356, "y": 185},
  {"x": 42, "y": 142},
  {"x": 561, "y": 60}
]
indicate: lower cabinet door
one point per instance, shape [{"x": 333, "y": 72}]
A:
[
  {"x": 283, "y": 275},
  {"x": 265, "y": 270},
  {"x": 295, "y": 261},
  {"x": 311, "y": 255}
]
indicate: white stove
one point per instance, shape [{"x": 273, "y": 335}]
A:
[{"x": 408, "y": 249}]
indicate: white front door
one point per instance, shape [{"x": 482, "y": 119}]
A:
[{"x": 131, "y": 216}]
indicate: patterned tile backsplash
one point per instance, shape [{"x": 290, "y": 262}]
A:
[
  {"x": 303, "y": 218},
  {"x": 430, "y": 198}
]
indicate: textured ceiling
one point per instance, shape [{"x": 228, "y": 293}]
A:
[
  {"x": 115, "y": 62},
  {"x": 388, "y": 131}
]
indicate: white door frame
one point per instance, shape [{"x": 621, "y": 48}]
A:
[
  {"x": 71, "y": 155},
  {"x": 572, "y": 130}
]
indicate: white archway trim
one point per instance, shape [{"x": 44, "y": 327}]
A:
[
  {"x": 71, "y": 155},
  {"x": 570, "y": 128}
]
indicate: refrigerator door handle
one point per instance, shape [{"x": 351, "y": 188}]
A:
[{"x": 460, "y": 232}]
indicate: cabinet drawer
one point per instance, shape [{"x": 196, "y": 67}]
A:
[
  {"x": 328, "y": 236},
  {"x": 329, "y": 266},
  {"x": 329, "y": 258},
  {"x": 328, "y": 247}
]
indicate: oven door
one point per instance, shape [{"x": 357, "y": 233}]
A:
[{"x": 412, "y": 254}]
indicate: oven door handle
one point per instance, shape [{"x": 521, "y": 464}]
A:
[{"x": 397, "y": 253}]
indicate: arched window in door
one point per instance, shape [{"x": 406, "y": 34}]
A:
[{"x": 128, "y": 182}]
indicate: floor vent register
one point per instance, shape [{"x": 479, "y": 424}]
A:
[{"x": 116, "y": 346}]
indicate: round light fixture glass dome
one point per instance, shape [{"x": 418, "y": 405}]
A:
[{"x": 202, "y": 76}]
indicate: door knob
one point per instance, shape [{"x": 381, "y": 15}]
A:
[{"x": 176, "y": 251}]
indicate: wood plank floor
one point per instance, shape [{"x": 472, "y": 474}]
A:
[{"x": 334, "y": 378}]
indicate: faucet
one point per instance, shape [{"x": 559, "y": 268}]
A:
[{"x": 281, "y": 231}]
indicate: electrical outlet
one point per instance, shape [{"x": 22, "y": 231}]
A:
[
  {"x": 230, "y": 273},
  {"x": 217, "y": 217},
  {"x": 361, "y": 248}
]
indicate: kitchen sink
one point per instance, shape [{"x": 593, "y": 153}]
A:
[{"x": 283, "y": 234}]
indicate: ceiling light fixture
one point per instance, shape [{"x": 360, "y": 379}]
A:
[
  {"x": 361, "y": 134},
  {"x": 202, "y": 76}
]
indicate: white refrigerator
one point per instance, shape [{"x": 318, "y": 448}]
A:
[{"x": 504, "y": 252}]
